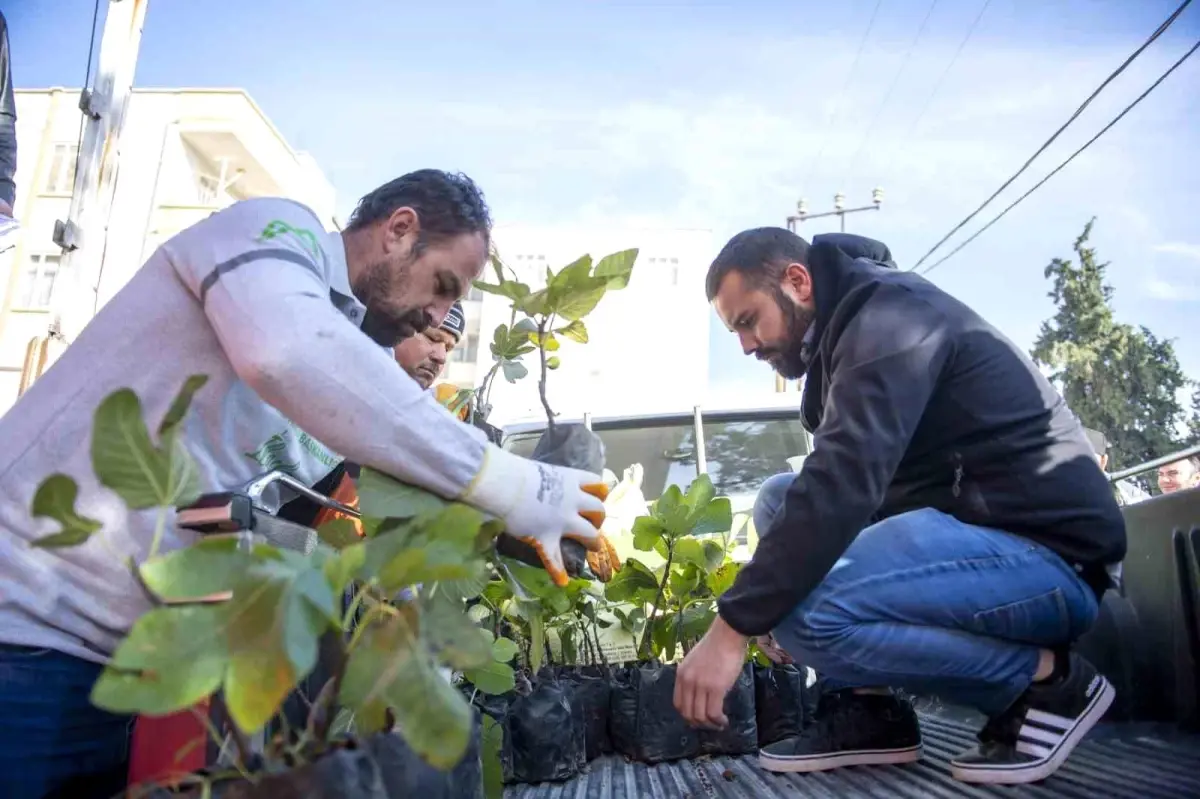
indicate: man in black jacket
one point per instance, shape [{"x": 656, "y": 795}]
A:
[{"x": 950, "y": 533}]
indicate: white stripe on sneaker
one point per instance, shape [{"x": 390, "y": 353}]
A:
[
  {"x": 1049, "y": 719},
  {"x": 1029, "y": 732},
  {"x": 1034, "y": 750}
]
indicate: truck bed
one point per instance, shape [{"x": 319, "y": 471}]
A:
[{"x": 1116, "y": 760}]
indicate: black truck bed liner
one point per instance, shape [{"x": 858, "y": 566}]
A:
[{"x": 1116, "y": 760}]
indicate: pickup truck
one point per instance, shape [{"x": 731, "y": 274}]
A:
[{"x": 1146, "y": 641}]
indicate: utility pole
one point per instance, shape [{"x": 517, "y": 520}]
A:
[
  {"x": 839, "y": 210},
  {"x": 75, "y": 296}
]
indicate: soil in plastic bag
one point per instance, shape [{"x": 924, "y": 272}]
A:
[
  {"x": 547, "y": 736},
  {"x": 741, "y": 736},
  {"x": 405, "y": 774},
  {"x": 543, "y": 732},
  {"x": 779, "y": 701},
  {"x": 588, "y": 690},
  {"x": 645, "y": 725},
  {"x": 380, "y": 767},
  {"x": 642, "y": 717}
]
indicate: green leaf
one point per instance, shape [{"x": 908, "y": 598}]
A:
[
  {"x": 536, "y": 304},
  {"x": 714, "y": 554},
  {"x": 212, "y": 565},
  {"x": 537, "y": 642},
  {"x": 504, "y": 650},
  {"x": 510, "y": 289},
  {"x": 663, "y": 636},
  {"x": 479, "y": 613},
  {"x": 492, "y": 745},
  {"x": 171, "y": 659},
  {"x": 451, "y": 636},
  {"x": 696, "y": 621},
  {"x": 633, "y": 582},
  {"x": 717, "y": 517},
  {"x": 684, "y": 581},
  {"x": 494, "y": 678},
  {"x": 383, "y": 497},
  {"x": 721, "y": 580},
  {"x": 275, "y": 619},
  {"x": 128, "y": 462},
  {"x": 551, "y": 343},
  {"x": 689, "y": 550},
  {"x": 339, "y": 533},
  {"x": 617, "y": 268},
  {"x": 574, "y": 331},
  {"x": 391, "y": 667},
  {"x": 513, "y": 371},
  {"x": 579, "y": 301},
  {"x": 345, "y": 566},
  {"x": 179, "y": 406},
  {"x": 699, "y": 494},
  {"x": 553, "y": 362},
  {"x": 532, "y": 579},
  {"x": 647, "y": 530},
  {"x": 467, "y": 587},
  {"x": 575, "y": 274},
  {"x": 55, "y": 499}
]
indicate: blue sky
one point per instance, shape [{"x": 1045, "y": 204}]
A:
[{"x": 711, "y": 115}]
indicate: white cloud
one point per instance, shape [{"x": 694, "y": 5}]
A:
[{"x": 1179, "y": 248}]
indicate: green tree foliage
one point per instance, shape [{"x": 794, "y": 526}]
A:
[{"x": 1119, "y": 379}]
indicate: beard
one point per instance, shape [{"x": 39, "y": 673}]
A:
[
  {"x": 788, "y": 356},
  {"x": 388, "y": 321}
]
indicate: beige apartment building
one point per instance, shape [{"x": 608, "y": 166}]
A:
[{"x": 185, "y": 153}]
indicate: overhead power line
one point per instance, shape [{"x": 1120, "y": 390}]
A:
[
  {"x": 1071, "y": 158},
  {"x": 888, "y": 94},
  {"x": 839, "y": 99},
  {"x": 1153, "y": 37},
  {"x": 937, "y": 86}
]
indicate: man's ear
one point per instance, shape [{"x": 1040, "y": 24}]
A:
[
  {"x": 403, "y": 225},
  {"x": 797, "y": 283}
]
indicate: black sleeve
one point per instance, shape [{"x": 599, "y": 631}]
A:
[
  {"x": 8, "y": 121},
  {"x": 884, "y": 368}
]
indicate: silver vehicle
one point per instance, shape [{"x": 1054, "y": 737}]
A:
[{"x": 737, "y": 448}]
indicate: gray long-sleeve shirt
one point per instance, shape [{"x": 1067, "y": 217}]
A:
[{"x": 8, "y": 121}]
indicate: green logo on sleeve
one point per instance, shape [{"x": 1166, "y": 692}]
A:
[{"x": 306, "y": 238}]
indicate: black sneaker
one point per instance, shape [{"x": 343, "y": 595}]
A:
[
  {"x": 849, "y": 729},
  {"x": 1030, "y": 740}
]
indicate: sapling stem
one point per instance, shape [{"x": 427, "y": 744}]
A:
[
  {"x": 160, "y": 527},
  {"x": 658, "y": 599},
  {"x": 544, "y": 324}
]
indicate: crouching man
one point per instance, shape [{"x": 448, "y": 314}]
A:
[{"x": 950, "y": 533}]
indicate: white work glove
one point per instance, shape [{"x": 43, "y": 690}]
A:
[{"x": 540, "y": 504}]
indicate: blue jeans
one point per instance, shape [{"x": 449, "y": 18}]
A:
[
  {"x": 52, "y": 741},
  {"x": 924, "y": 602}
]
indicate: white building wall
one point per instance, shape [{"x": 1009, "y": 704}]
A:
[
  {"x": 648, "y": 343},
  {"x": 170, "y": 139}
]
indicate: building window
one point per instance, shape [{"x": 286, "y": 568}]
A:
[
  {"x": 467, "y": 350},
  {"x": 207, "y": 189},
  {"x": 61, "y": 178},
  {"x": 37, "y": 282}
]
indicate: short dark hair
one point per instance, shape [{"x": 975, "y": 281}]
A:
[
  {"x": 760, "y": 255},
  {"x": 448, "y": 204}
]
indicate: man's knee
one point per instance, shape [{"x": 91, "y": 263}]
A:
[{"x": 770, "y": 499}]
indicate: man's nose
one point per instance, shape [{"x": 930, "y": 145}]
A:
[
  {"x": 438, "y": 355},
  {"x": 749, "y": 343},
  {"x": 437, "y": 310}
]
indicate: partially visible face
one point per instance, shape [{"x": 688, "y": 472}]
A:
[
  {"x": 408, "y": 290},
  {"x": 770, "y": 324},
  {"x": 1178, "y": 476},
  {"x": 423, "y": 356}
]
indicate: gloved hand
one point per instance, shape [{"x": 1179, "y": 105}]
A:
[{"x": 540, "y": 505}]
